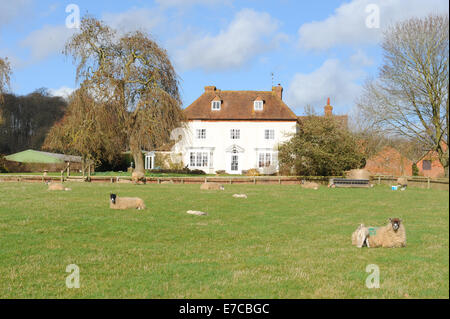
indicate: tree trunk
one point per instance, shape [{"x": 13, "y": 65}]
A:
[
  {"x": 443, "y": 158},
  {"x": 138, "y": 158}
]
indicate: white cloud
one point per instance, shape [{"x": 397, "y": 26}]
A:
[
  {"x": 10, "y": 10},
  {"x": 333, "y": 79},
  {"x": 47, "y": 41},
  {"x": 360, "y": 58},
  {"x": 249, "y": 34},
  {"x": 347, "y": 26},
  {"x": 134, "y": 19},
  {"x": 63, "y": 91}
]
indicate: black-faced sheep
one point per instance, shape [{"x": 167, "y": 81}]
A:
[
  {"x": 392, "y": 235},
  {"x": 117, "y": 202}
]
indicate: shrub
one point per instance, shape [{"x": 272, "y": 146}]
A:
[
  {"x": 415, "y": 170},
  {"x": 252, "y": 172}
]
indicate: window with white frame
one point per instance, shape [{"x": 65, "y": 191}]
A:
[
  {"x": 269, "y": 134},
  {"x": 201, "y": 133},
  {"x": 215, "y": 105},
  {"x": 198, "y": 159},
  {"x": 265, "y": 159},
  {"x": 258, "y": 105},
  {"x": 235, "y": 134}
]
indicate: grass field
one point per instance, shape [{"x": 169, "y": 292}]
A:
[{"x": 281, "y": 242}]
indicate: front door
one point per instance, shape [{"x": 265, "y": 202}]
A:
[{"x": 234, "y": 164}]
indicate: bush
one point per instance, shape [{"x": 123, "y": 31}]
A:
[
  {"x": 415, "y": 170},
  {"x": 184, "y": 170},
  {"x": 252, "y": 172}
]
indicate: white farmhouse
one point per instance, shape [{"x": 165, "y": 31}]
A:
[{"x": 236, "y": 130}]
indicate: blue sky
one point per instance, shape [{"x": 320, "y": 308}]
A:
[{"x": 315, "y": 49}]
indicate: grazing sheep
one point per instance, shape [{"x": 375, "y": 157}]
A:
[
  {"x": 125, "y": 202},
  {"x": 359, "y": 236},
  {"x": 392, "y": 235},
  {"x": 402, "y": 181},
  {"x": 310, "y": 185},
  {"x": 138, "y": 177},
  {"x": 57, "y": 187},
  {"x": 196, "y": 212},
  {"x": 239, "y": 196},
  {"x": 212, "y": 186}
]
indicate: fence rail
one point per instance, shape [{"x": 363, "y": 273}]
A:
[{"x": 415, "y": 181}]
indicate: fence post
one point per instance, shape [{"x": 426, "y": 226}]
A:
[
  {"x": 379, "y": 180},
  {"x": 428, "y": 183}
]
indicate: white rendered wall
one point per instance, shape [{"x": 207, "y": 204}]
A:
[{"x": 219, "y": 145}]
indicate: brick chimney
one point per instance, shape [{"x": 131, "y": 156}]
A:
[
  {"x": 209, "y": 89},
  {"x": 328, "y": 108},
  {"x": 278, "y": 91}
]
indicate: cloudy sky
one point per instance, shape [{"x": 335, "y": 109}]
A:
[{"x": 315, "y": 49}]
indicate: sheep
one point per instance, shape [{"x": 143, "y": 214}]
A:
[
  {"x": 57, "y": 187},
  {"x": 359, "y": 236},
  {"x": 402, "y": 181},
  {"x": 239, "y": 196},
  {"x": 212, "y": 186},
  {"x": 310, "y": 185},
  {"x": 138, "y": 177},
  {"x": 125, "y": 202},
  {"x": 196, "y": 212},
  {"x": 393, "y": 235}
]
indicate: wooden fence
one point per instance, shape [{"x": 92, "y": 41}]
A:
[{"x": 414, "y": 181}]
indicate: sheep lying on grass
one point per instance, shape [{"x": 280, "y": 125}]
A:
[
  {"x": 359, "y": 236},
  {"x": 125, "y": 202},
  {"x": 239, "y": 196},
  {"x": 390, "y": 236},
  {"x": 212, "y": 186},
  {"x": 310, "y": 185},
  {"x": 57, "y": 187},
  {"x": 196, "y": 212},
  {"x": 393, "y": 235}
]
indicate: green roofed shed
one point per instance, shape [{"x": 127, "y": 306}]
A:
[{"x": 32, "y": 156}]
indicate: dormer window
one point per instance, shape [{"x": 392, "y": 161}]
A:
[
  {"x": 216, "y": 103},
  {"x": 258, "y": 105}
]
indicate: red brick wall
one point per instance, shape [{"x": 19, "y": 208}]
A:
[
  {"x": 389, "y": 162},
  {"x": 436, "y": 171}
]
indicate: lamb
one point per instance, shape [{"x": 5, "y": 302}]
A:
[
  {"x": 125, "y": 202},
  {"x": 359, "y": 236},
  {"x": 212, "y": 186},
  {"x": 196, "y": 212},
  {"x": 393, "y": 235},
  {"x": 239, "y": 196},
  {"x": 310, "y": 185},
  {"x": 57, "y": 187}
]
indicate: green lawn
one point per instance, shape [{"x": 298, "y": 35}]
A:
[{"x": 281, "y": 242}]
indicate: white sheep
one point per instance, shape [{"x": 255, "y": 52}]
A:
[
  {"x": 359, "y": 236},
  {"x": 196, "y": 212},
  {"x": 117, "y": 202},
  {"x": 239, "y": 196},
  {"x": 57, "y": 187},
  {"x": 310, "y": 185},
  {"x": 393, "y": 235},
  {"x": 212, "y": 186}
]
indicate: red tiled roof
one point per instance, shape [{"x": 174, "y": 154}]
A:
[{"x": 238, "y": 105}]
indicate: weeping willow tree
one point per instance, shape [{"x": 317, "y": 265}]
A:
[{"x": 134, "y": 77}]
